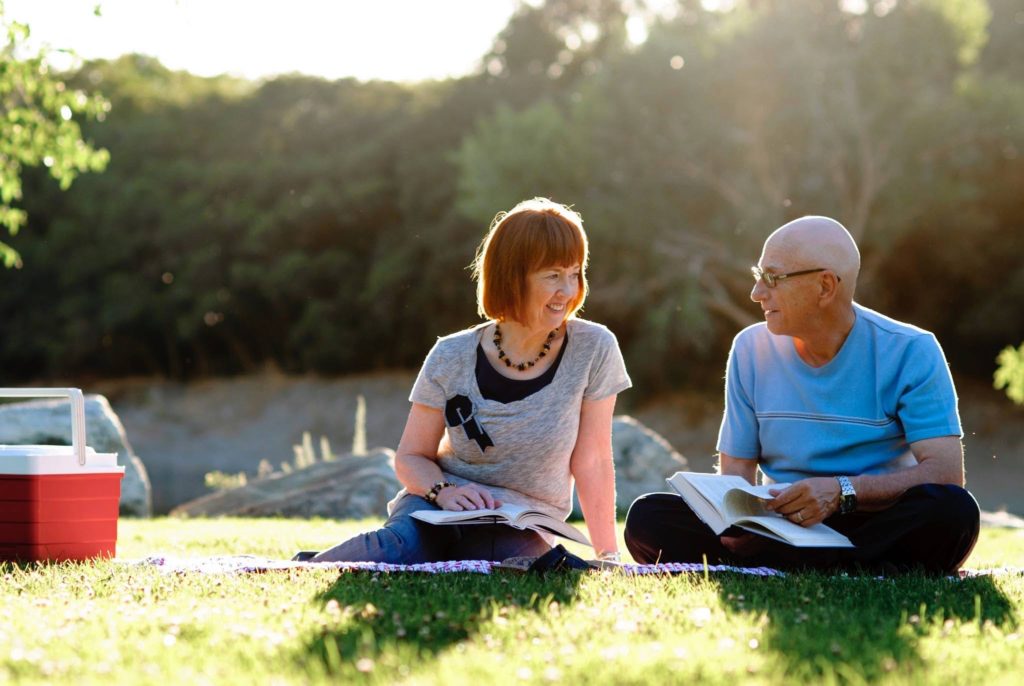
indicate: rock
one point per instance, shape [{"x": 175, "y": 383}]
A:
[
  {"x": 231, "y": 425},
  {"x": 48, "y": 422},
  {"x": 1001, "y": 519},
  {"x": 643, "y": 459},
  {"x": 353, "y": 487},
  {"x": 349, "y": 487}
]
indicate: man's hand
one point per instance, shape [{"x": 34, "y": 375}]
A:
[
  {"x": 808, "y": 501},
  {"x": 468, "y": 497}
]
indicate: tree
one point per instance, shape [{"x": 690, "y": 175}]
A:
[
  {"x": 684, "y": 153},
  {"x": 37, "y": 126},
  {"x": 557, "y": 42},
  {"x": 326, "y": 226}
]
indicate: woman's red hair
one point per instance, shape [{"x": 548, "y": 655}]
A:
[{"x": 534, "y": 234}]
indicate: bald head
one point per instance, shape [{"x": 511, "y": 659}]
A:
[{"x": 813, "y": 242}]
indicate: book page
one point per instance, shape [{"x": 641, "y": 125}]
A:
[
  {"x": 741, "y": 503},
  {"x": 713, "y": 486},
  {"x": 722, "y": 500},
  {"x": 542, "y": 522},
  {"x": 719, "y": 499},
  {"x": 483, "y": 516},
  {"x": 511, "y": 510},
  {"x": 516, "y": 516},
  {"x": 781, "y": 529},
  {"x": 703, "y": 493}
]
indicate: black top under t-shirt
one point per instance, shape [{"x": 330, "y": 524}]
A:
[{"x": 494, "y": 386}]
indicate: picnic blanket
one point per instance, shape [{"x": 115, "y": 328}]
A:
[{"x": 236, "y": 564}]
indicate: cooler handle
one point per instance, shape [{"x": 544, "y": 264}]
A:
[{"x": 77, "y": 411}]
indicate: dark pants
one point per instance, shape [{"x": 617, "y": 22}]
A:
[{"x": 932, "y": 528}]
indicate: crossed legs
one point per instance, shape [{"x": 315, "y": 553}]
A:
[
  {"x": 932, "y": 527},
  {"x": 404, "y": 540}
]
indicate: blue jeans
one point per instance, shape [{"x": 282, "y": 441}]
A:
[{"x": 404, "y": 540}]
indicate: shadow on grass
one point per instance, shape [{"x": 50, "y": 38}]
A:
[
  {"x": 388, "y": 624},
  {"x": 835, "y": 627}
]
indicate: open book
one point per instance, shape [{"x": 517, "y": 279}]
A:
[
  {"x": 722, "y": 501},
  {"x": 515, "y": 516}
]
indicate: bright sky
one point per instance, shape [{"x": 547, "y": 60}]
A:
[{"x": 398, "y": 40}]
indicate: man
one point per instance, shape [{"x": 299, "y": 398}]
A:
[{"x": 855, "y": 410}]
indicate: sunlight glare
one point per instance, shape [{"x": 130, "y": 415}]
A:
[
  {"x": 854, "y": 6},
  {"x": 590, "y": 31},
  {"x": 384, "y": 39},
  {"x": 636, "y": 30},
  {"x": 718, "y": 5},
  {"x": 883, "y": 7}
]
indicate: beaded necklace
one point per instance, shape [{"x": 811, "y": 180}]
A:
[{"x": 522, "y": 366}]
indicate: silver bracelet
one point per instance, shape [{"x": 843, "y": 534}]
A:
[{"x": 609, "y": 556}]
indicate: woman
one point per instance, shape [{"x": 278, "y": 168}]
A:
[{"x": 511, "y": 410}]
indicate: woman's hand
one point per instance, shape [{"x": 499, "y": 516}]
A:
[{"x": 468, "y": 497}]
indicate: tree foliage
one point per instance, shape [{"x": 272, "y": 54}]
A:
[
  {"x": 327, "y": 226},
  {"x": 689, "y": 150},
  {"x": 38, "y": 126},
  {"x": 1010, "y": 373}
]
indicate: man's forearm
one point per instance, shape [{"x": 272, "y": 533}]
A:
[
  {"x": 940, "y": 461},
  {"x": 879, "y": 491}
]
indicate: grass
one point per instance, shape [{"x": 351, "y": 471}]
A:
[{"x": 107, "y": 623}]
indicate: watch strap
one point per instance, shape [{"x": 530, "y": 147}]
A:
[{"x": 847, "y": 495}]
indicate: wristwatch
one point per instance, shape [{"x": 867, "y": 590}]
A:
[{"x": 847, "y": 496}]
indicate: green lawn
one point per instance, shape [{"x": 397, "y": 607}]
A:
[{"x": 107, "y": 623}]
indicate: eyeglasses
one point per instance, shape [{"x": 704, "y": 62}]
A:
[{"x": 771, "y": 280}]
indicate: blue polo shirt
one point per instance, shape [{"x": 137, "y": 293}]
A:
[{"x": 888, "y": 386}]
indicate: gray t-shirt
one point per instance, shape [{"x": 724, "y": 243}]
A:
[{"x": 533, "y": 438}]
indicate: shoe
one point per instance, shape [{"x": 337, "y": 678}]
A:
[
  {"x": 515, "y": 564},
  {"x": 558, "y": 559},
  {"x": 305, "y": 555}
]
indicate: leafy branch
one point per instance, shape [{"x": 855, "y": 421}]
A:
[
  {"x": 38, "y": 126},
  {"x": 1010, "y": 373}
]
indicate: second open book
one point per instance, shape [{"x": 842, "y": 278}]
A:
[
  {"x": 722, "y": 501},
  {"x": 513, "y": 515}
]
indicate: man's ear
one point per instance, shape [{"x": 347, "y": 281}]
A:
[{"x": 828, "y": 285}]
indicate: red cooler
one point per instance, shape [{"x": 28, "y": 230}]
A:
[{"x": 58, "y": 502}]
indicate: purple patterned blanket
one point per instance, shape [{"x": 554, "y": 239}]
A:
[{"x": 233, "y": 564}]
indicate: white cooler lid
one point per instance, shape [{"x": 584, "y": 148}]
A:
[{"x": 54, "y": 459}]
